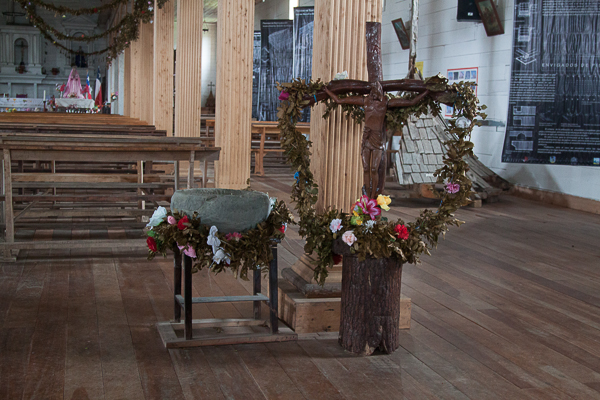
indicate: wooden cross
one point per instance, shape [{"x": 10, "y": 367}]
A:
[
  {"x": 211, "y": 85},
  {"x": 371, "y": 96}
]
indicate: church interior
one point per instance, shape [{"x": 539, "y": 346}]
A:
[{"x": 299, "y": 199}]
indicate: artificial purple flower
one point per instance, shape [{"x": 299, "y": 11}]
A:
[
  {"x": 452, "y": 187},
  {"x": 284, "y": 95},
  {"x": 369, "y": 207}
]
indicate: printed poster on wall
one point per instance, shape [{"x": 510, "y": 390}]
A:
[
  {"x": 277, "y": 53},
  {"x": 303, "y": 47},
  {"x": 255, "y": 74},
  {"x": 554, "y": 103},
  {"x": 457, "y": 75}
]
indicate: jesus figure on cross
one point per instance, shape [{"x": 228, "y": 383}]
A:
[{"x": 372, "y": 98}]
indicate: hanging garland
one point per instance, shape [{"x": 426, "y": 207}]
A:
[
  {"x": 365, "y": 231},
  {"x": 237, "y": 251},
  {"x": 127, "y": 29}
]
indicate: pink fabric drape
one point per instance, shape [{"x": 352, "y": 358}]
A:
[{"x": 73, "y": 88}]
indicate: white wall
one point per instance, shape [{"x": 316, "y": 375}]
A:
[
  {"x": 445, "y": 43},
  {"x": 270, "y": 9}
]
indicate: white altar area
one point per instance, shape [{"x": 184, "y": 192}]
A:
[{"x": 29, "y": 65}]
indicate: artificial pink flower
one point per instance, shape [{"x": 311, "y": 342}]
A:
[
  {"x": 188, "y": 251},
  {"x": 401, "y": 231},
  {"x": 284, "y": 95},
  {"x": 368, "y": 207},
  {"x": 452, "y": 187},
  {"x": 349, "y": 238},
  {"x": 171, "y": 220},
  {"x": 233, "y": 235}
]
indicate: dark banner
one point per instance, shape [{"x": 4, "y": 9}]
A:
[
  {"x": 277, "y": 53},
  {"x": 255, "y": 74},
  {"x": 554, "y": 106},
  {"x": 303, "y": 46}
]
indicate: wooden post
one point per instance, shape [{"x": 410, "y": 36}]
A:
[
  {"x": 187, "y": 295},
  {"x": 135, "y": 77},
  {"x": 256, "y": 290},
  {"x": 8, "y": 202},
  {"x": 233, "y": 131},
  {"x": 339, "y": 45},
  {"x": 147, "y": 68},
  {"x": 125, "y": 96},
  {"x": 164, "y": 20},
  {"x": 274, "y": 292},
  {"x": 414, "y": 34},
  {"x": 176, "y": 283},
  {"x": 370, "y": 309},
  {"x": 189, "y": 68}
]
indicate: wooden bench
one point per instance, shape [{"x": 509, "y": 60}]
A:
[
  {"x": 119, "y": 149},
  {"x": 266, "y": 138}
]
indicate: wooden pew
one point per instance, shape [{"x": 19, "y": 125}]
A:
[
  {"x": 266, "y": 138},
  {"x": 73, "y": 148}
]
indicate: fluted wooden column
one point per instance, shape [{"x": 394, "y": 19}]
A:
[
  {"x": 125, "y": 96},
  {"x": 135, "y": 79},
  {"x": 189, "y": 67},
  {"x": 164, "y": 21},
  {"x": 235, "y": 38},
  {"x": 147, "y": 69},
  {"x": 339, "y": 45}
]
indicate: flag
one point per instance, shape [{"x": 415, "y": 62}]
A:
[
  {"x": 98, "y": 89},
  {"x": 88, "y": 95}
]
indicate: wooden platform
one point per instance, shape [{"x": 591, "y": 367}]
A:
[{"x": 508, "y": 307}]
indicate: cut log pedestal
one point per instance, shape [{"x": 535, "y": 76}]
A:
[{"x": 370, "y": 309}]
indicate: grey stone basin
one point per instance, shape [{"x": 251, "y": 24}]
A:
[{"x": 229, "y": 210}]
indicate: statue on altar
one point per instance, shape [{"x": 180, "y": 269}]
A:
[{"x": 73, "y": 88}]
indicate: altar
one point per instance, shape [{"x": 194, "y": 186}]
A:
[
  {"x": 8, "y": 104},
  {"x": 75, "y": 103}
]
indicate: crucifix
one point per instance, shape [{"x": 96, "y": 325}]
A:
[{"x": 371, "y": 96}]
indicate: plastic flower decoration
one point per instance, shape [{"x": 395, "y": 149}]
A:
[
  {"x": 401, "y": 231},
  {"x": 452, "y": 188},
  {"x": 283, "y": 228},
  {"x": 220, "y": 255},
  {"x": 368, "y": 207},
  {"x": 234, "y": 235},
  {"x": 335, "y": 225},
  {"x": 157, "y": 217},
  {"x": 369, "y": 226},
  {"x": 284, "y": 95},
  {"x": 171, "y": 220},
  {"x": 349, "y": 238},
  {"x": 181, "y": 223},
  {"x": 383, "y": 202},
  {"x": 188, "y": 250},
  {"x": 213, "y": 240}
]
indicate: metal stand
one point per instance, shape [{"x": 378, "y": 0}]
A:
[{"x": 252, "y": 329}]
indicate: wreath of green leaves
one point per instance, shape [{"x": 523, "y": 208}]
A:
[
  {"x": 126, "y": 30},
  {"x": 380, "y": 240},
  {"x": 251, "y": 250}
]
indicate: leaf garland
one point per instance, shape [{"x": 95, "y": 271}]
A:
[
  {"x": 381, "y": 239},
  {"x": 127, "y": 30},
  {"x": 251, "y": 249}
]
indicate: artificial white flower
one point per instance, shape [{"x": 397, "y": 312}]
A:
[
  {"x": 272, "y": 201},
  {"x": 463, "y": 122},
  {"x": 369, "y": 225},
  {"x": 335, "y": 225},
  {"x": 213, "y": 240},
  {"x": 340, "y": 75},
  {"x": 349, "y": 238},
  {"x": 157, "y": 218},
  {"x": 220, "y": 255}
]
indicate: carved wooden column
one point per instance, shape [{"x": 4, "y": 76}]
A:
[
  {"x": 234, "y": 92},
  {"x": 125, "y": 95},
  {"x": 135, "y": 75},
  {"x": 146, "y": 83},
  {"x": 339, "y": 45},
  {"x": 189, "y": 68},
  {"x": 164, "y": 21}
]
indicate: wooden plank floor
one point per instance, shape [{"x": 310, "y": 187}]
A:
[{"x": 508, "y": 307}]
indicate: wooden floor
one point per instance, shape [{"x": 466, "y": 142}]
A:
[{"x": 508, "y": 307}]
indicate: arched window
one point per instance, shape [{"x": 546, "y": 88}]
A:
[{"x": 21, "y": 56}]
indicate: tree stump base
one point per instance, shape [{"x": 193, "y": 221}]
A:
[{"x": 370, "y": 309}]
